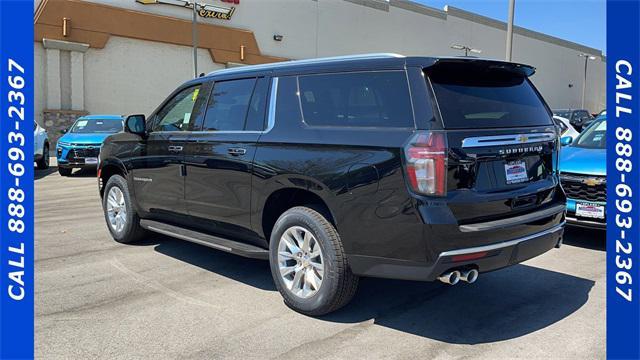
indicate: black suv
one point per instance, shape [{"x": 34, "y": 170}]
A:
[{"x": 381, "y": 165}]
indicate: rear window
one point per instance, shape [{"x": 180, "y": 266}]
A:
[
  {"x": 361, "y": 99},
  {"x": 487, "y": 99}
]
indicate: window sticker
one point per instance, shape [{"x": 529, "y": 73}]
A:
[
  {"x": 82, "y": 123},
  {"x": 195, "y": 95},
  {"x": 187, "y": 117}
]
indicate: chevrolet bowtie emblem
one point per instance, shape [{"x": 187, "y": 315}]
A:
[
  {"x": 523, "y": 138},
  {"x": 592, "y": 181}
]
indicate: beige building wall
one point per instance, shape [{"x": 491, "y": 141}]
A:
[{"x": 134, "y": 76}]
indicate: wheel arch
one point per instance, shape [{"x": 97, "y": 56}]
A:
[
  {"x": 107, "y": 169},
  {"x": 286, "y": 198}
]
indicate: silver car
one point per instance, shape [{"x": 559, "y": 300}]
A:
[{"x": 40, "y": 146}]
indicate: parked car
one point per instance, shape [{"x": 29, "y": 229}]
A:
[
  {"x": 565, "y": 127},
  {"x": 40, "y": 147},
  {"x": 339, "y": 168},
  {"x": 583, "y": 173},
  {"x": 80, "y": 145},
  {"x": 579, "y": 118}
]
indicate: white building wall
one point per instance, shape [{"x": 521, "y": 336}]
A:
[
  {"x": 134, "y": 76},
  {"x": 39, "y": 63}
]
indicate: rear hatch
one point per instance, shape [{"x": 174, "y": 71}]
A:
[{"x": 502, "y": 144}]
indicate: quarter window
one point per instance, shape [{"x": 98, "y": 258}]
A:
[
  {"x": 176, "y": 114},
  {"x": 229, "y": 104},
  {"x": 365, "y": 99}
]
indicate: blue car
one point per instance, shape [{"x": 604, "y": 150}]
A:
[
  {"x": 583, "y": 174},
  {"x": 80, "y": 145}
]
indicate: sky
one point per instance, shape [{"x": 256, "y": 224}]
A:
[{"x": 583, "y": 22}]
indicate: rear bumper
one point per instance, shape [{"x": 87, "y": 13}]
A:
[{"x": 494, "y": 256}]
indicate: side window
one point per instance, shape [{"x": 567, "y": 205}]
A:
[
  {"x": 364, "y": 99},
  {"x": 287, "y": 102},
  {"x": 176, "y": 114},
  {"x": 257, "y": 106},
  {"x": 228, "y": 105}
]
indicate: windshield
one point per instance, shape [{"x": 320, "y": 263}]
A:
[
  {"x": 594, "y": 137},
  {"x": 84, "y": 126},
  {"x": 487, "y": 99}
]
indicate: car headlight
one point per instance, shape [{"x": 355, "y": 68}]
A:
[{"x": 62, "y": 143}]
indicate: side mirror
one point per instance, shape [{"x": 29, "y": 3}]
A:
[
  {"x": 135, "y": 124},
  {"x": 566, "y": 140},
  {"x": 64, "y": 131}
]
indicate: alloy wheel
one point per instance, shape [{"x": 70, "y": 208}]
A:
[
  {"x": 116, "y": 209},
  {"x": 300, "y": 261}
]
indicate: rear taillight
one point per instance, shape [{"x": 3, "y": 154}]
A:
[{"x": 426, "y": 163}]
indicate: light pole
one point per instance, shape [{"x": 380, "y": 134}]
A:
[
  {"x": 586, "y": 57},
  {"x": 466, "y": 49},
  {"x": 194, "y": 37},
  {"x": 512, "y": 8}
]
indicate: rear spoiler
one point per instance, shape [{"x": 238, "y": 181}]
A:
[{"x": 440, "y": 64}]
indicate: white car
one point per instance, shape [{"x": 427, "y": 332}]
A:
[
  {"x": 40, "y": 146},
  {"x": 566, "y": 129}
]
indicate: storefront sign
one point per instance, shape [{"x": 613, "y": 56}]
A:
[{"x": 204, "y": 10}]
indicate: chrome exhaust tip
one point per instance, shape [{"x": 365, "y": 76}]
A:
[
  {"x": 469, "y": 276},
  {"x": 450, "y": 278}
]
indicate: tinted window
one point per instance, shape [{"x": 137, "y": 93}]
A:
[
  {"x": 176, "y": 113},
  {"x": 257, "y": 106},
  {"x": 287, "y": 104},
  {"x": 487, "y": 99},
  {"x": 594, "y": 137},
  {"x": 366, "y": 99},
  {"x": 96, "y": 126},
  {"x": 228, "y": 105}
]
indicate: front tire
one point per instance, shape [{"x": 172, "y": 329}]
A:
[
  {"x": 43, "y": 163},
  {"x": 308, "y": 263},
  {"x": 122, "y": 220}
]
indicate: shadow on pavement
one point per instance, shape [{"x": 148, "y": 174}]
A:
[
  {"x": 592, "y": 239},
  {"x": 502, "y": 305},
  {"x": 39, "y": 174},
  {"x": 252, "y": 272}
]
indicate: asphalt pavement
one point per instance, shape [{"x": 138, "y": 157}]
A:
[{"x": 166, "y": 298}]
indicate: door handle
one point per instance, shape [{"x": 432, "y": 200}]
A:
[
  {"x": 237, "y": 151},
  {"x": 175, "y": 148}
]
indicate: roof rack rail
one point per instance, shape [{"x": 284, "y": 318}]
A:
[{"x": 282, "y": 64}]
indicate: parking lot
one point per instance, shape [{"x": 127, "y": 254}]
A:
[{"x": 165, "y": 298}]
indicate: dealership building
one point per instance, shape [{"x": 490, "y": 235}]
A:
[{"x": 126, "y": 56}]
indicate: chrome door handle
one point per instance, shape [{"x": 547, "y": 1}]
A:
[
  {"x": 175, "y": 148},
  {"x": 237, "y": 151}
]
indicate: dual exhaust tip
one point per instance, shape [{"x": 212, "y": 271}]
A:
[{"x": 453, "y": 277}]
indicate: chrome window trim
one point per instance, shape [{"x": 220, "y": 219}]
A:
[{"x": 511, "y": 139}]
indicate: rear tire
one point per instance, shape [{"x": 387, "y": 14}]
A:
[
  {"x": 122, "y": 220},
  {"x": 323, "y": 258},
  {"x": 43, "y": 163},
  {"x": 64, "y": 171}
]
